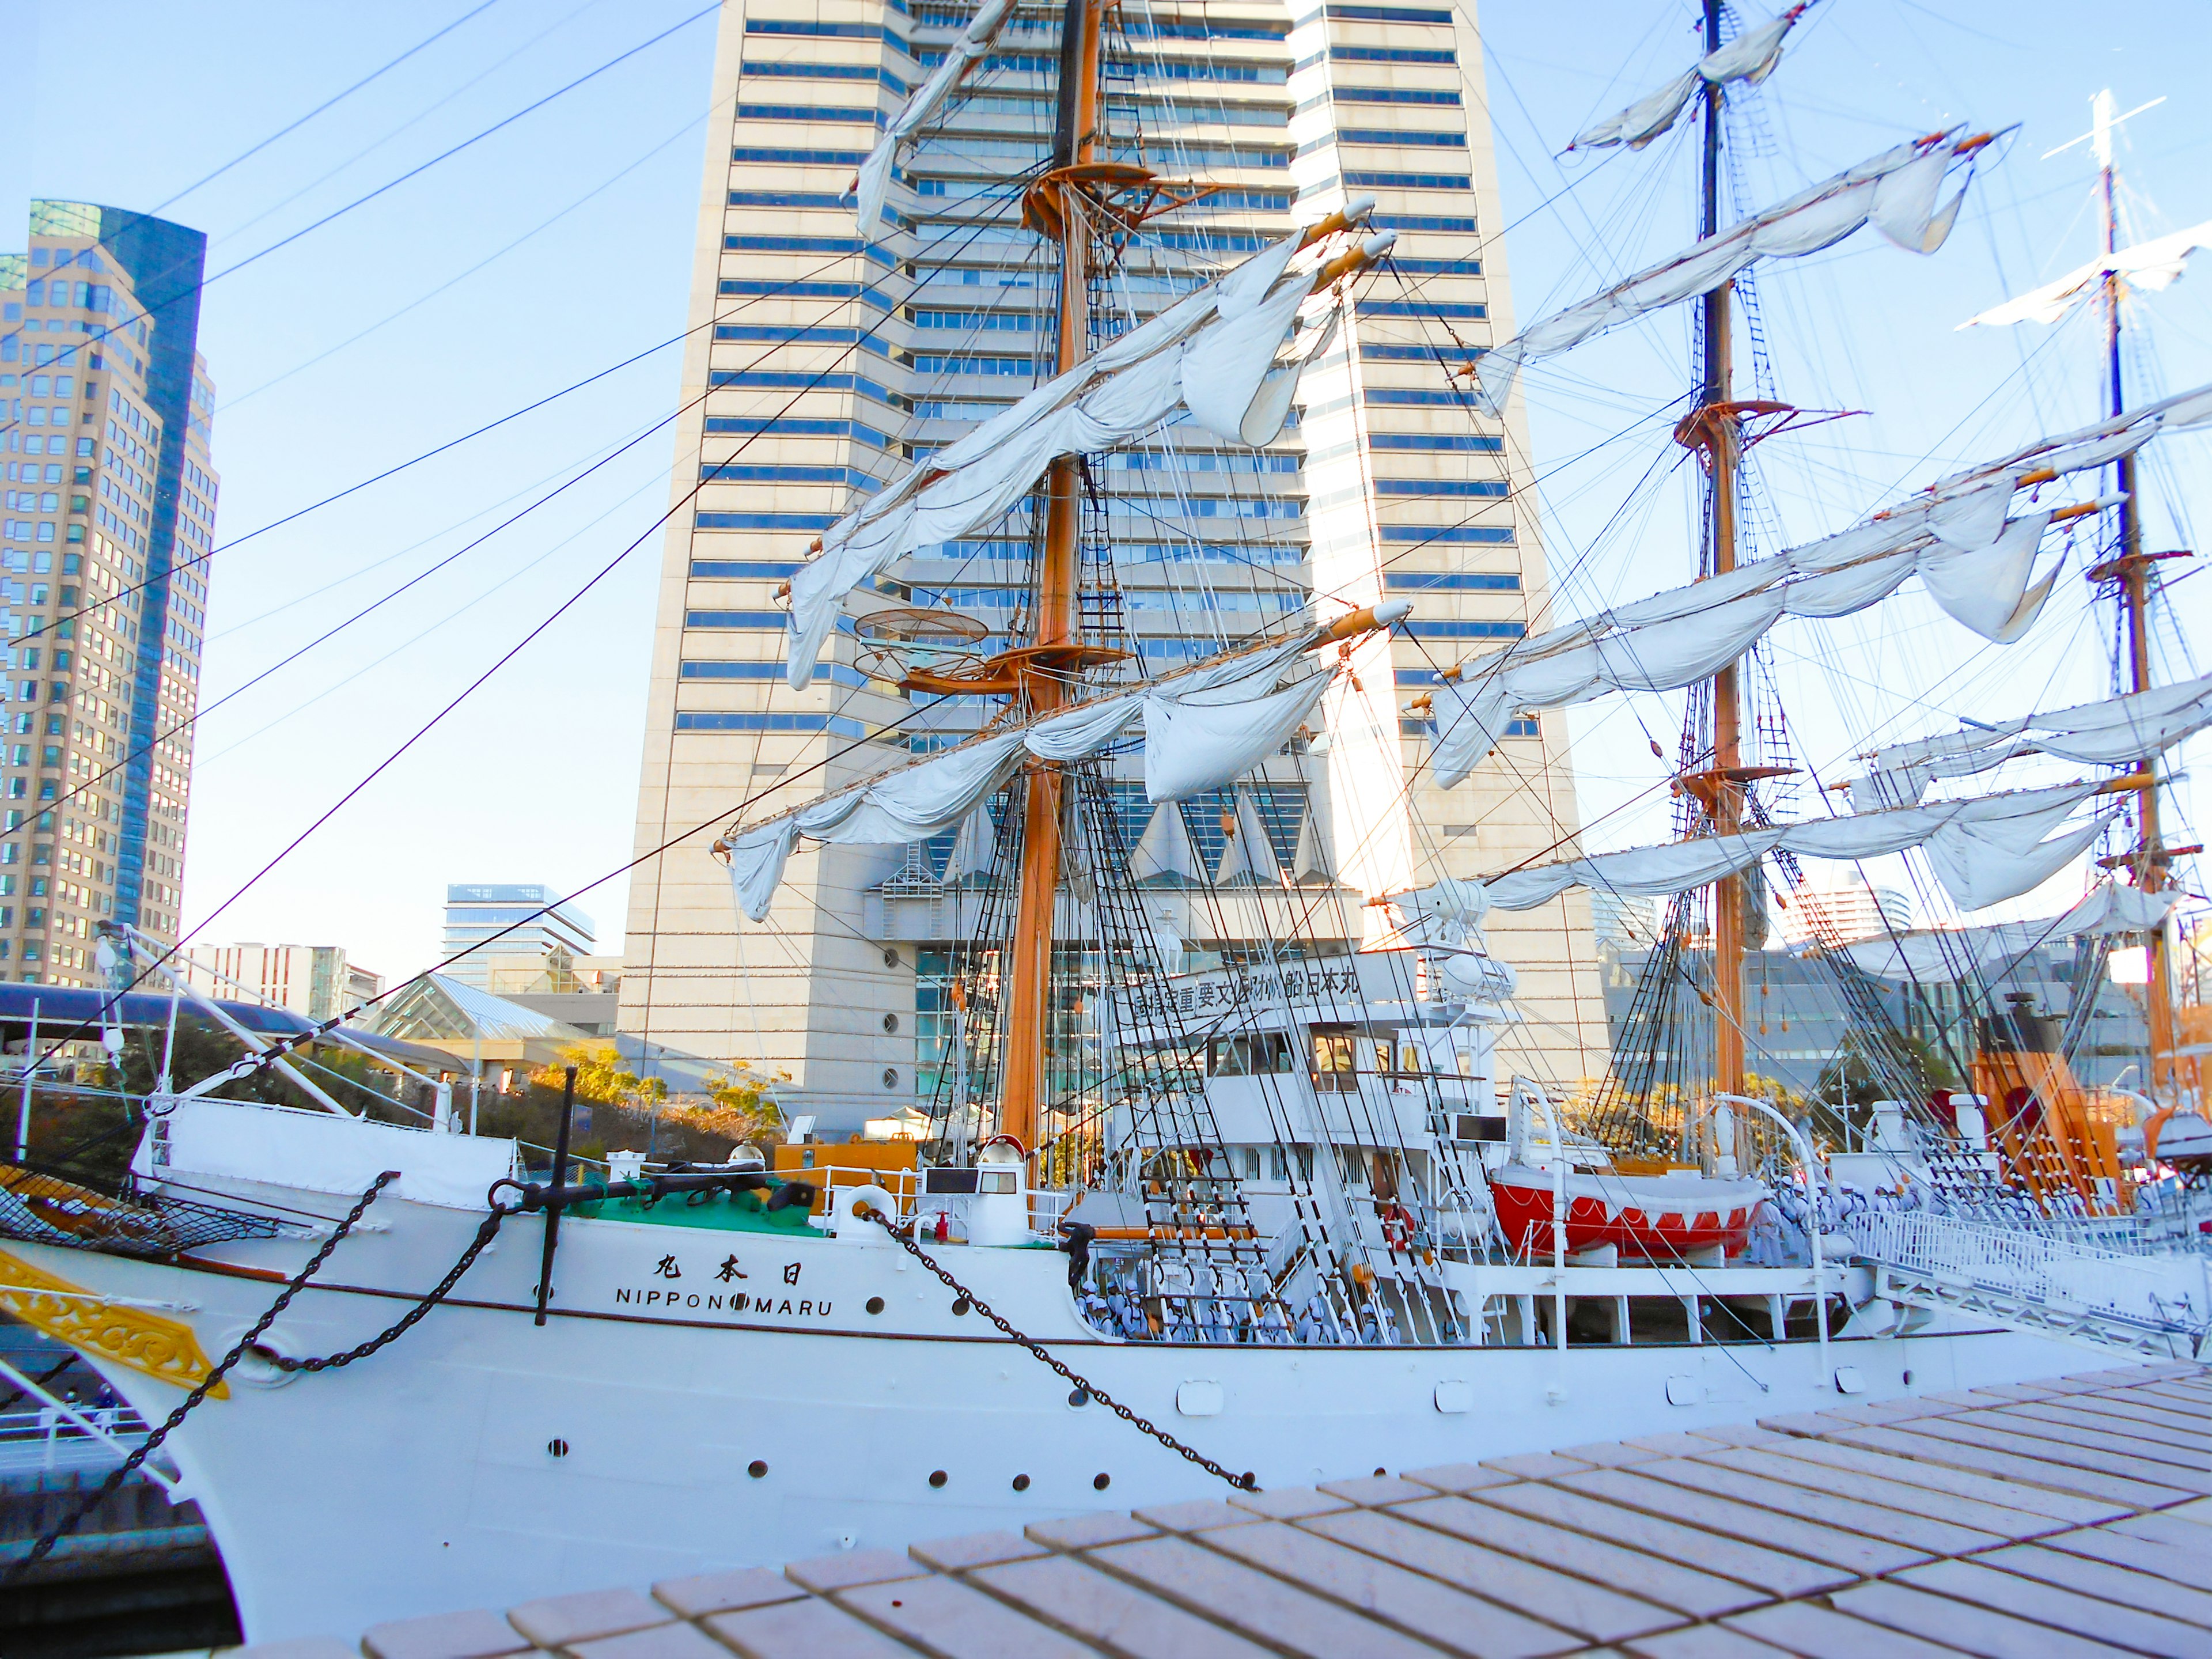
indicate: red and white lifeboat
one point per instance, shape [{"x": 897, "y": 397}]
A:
[{"x": 1662, "y": 1218}]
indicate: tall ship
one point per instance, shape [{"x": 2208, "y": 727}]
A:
[{"x": 1225, "y": 1182}]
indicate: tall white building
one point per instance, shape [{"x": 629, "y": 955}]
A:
[
  {"x": 482, "y": 919},
  {"x": 1852, "y": 909},
  {"x": 820, "y": 364}
]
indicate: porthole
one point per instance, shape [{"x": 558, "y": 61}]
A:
[
  {"x": 890, "y": 1077},
  {"x": 938, "y": 1477},
  {"x": 890, "y": 1022},
  {"x": 757, "y": 1468},
  {"x": 875, "y": 1304},
  {"x": 1078, "y": 1397},
  {"x": 890, "y": 958},
  {"x": 556, "y": 1448},
  {"x": 960, "y": 1306},
  {"x": 1102, "y": 1480},
  {"x": 1021, "y": 1483}
]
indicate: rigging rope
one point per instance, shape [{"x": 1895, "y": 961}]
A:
[{"x": 1246, "y": 1482}]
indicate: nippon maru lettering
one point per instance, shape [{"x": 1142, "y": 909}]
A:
[
  {"x": 669, "y": 1296},
  {"x": 1221, "y": 1123}
]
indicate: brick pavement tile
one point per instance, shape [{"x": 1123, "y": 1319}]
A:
[
  {"x": 1590, "y": 1610},
  {"x": 1669, "y": 1582},
  {"x": 1731, "y": 1434},
  {"x": 1846, "y": 1551},
  {"x": 2127, "y": 1549},
  {"x": 674, "y": 1640},
  {"x": 2063, "y": 1459},
  {"x": 1195, "y": 1516},
  {"x": 1534, "y": 1465},
  {"x": 1908, "y": 1471},
  {"x": 2153, "y": 1591},
  {"x": 1699, "y": 1642},
  {"x": 2154, "y": 1447},
  {"x": 1456, "y": 1477},
  {"x": 830, "y": 1573},
  {"x": 1083, "y": 1531},
  {"x": 1611, "y": 1453},
  {"x": 473, "y": 1635},
  {"x": 725, "y": 1592},
  {"x": 948, "y": 1616},
  {"x": 2168, "y": 1527},
  {"x": 808, "y": 1629},
  {"x": 1376, "y": 1490},
  {"x": 1101, "y": 1608},
  {"x": 1918, "y": 1447},
  {"x": 2060, "y": 1609},
  {"x": 1955, "y": 1624},
  {"x": 1808, "y": 1424},
  {"x": 1773, "y": 1571},
  {"x": 1423, "y": 1606},
  {"x": 1808, "y": 1629},
  {"x": 1253, "y": 1602},
  {"x": 974, "y": 1549},
  {"x": 1291, "y": 1502},
  {"x": 554, "y": 1621},
  {"x": 1841, "y": 1501}
]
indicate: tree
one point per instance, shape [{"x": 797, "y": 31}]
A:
[{"x": 602, "y": 1079}]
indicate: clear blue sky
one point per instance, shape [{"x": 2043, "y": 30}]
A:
[{"x": 561, "y": 245}]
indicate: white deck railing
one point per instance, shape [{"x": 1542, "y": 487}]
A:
[{"x": 2158, "y": 1289}]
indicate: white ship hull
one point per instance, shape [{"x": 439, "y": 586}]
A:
[{"x": 425, "y": 1479}]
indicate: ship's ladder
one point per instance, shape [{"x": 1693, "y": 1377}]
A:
[{"x": 2153, "y": 1306}]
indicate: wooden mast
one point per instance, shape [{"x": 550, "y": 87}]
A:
[
  {"x": 1717, "y": 431},
  {"x": 2132, "y": 568},
  {"x": 1052, "y": 608}
]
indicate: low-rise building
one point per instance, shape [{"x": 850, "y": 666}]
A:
[{"x": 319, "y": 980}]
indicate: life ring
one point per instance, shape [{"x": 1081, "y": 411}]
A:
[
  {"x": 1397, "y": 1228},
  {"x": 856, "y": 1209}
]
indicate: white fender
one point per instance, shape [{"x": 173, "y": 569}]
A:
[{"x": 855, "y": 1229}]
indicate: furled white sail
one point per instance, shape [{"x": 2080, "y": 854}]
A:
[
  {"x": 1896, "y": 192},
  {"x": 1749, "y": 58},
  {"x": 1197, "y": 741},
  {"x": 1205, "y": 727},
  {"x": 2112, "y": 730},
  {"x": 2151, "y": 266},
  {"x": 2097, "y": 445},
  {"x": 2109, "y": 908},
  {"x": 1684, "y": 635},
  {"x": 1213, "y": 351},
  {"x": 1985, "y": 850},
  {"x": 911, "y": 804},
  {"x": 1084, "y": 730},
  {"x": 1974, "y": 561},
  {"x": 873, "y": 183}
]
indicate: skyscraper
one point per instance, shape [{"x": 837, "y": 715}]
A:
[
  {"x": 481, "y": 918},
  {"x": 820, "y": 364},
  {"x": 110, "y": 511}
]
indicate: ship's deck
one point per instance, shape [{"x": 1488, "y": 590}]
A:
[{"x": 2071, "y": 1517}]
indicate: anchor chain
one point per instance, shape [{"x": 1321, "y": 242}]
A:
[
  {"x": 69, "y": 1523},
  {"x": 1245, "y": 1482}
]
